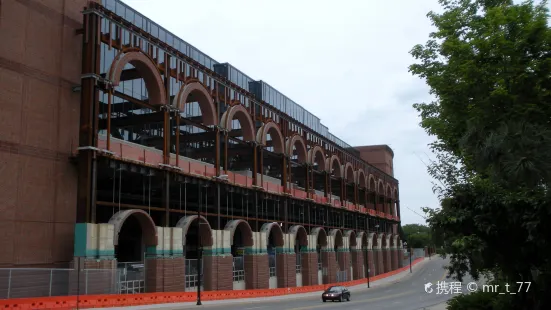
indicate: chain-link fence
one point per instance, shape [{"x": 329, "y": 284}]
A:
[
  {"x": 238, "y": 269},
  {"x": 415, "y": 254},
  {"x": 192, "y": 275},
  {"x": 43, "y": 282}
]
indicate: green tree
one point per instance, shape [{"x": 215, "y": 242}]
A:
[
  {"x": 417, "y": 236},
  {"x": 488, "y": 66}
]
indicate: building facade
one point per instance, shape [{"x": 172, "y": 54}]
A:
[{"x": 120, "y": 142}]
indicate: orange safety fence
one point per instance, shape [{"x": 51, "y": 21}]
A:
[{"x": 106, "y": 301}]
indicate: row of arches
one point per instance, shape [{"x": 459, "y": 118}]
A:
[
  {"x": 241, "y": 226},
  {"x": 194, "y": 91}
]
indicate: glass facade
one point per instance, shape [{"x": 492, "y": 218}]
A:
[{"x": 260, "y": 89}]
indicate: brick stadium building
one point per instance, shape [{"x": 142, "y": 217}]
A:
[{"x": 120, "y": 142}]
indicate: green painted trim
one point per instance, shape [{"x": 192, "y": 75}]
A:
[
  {"x": 80, "y": 246},
  {"x": 343, "y": 250},
  {"x": 217, "y": 252},
  {"x": 327, "y": 250},
  {"x": 106, "y": 254},
  {"x": 177, "y": 252}
]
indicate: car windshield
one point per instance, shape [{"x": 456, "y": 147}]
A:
[{"x": 334, "y": 289}]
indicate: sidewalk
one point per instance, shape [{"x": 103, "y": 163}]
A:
[{"x": 382, "y": 282}]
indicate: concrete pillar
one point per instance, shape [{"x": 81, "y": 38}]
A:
[
  {"x": 257, "y": 272},
  {"x": 378, "y": 253},
  {"x": 165, "y": 262},
  {"x": 387, "y": 255},
  {"x": 218, "y": 263},
  {"x": 93, "y": 249},
  {"x": 344, "y": 257},
  {"x": 286, "y": 262},
  {"x": 329, "y": 261},
  {"x": 310, "y": 262},
  {"x": 394, "y": 250}
]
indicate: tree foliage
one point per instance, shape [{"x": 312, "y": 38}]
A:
[{"x": 488, "y": 66}]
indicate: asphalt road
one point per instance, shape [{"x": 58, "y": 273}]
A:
[{"x": 407, "y": 293}]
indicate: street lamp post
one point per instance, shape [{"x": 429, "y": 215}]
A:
[{"x": 199, "y": 257}]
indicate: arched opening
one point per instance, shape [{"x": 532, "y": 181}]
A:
[
  {"x": 129, "y": 113},
  {"x": 381, "y": 196},
  {"x": 321, "y": 244},
  {"x": 241, "y": 237},
  {"x": 296, "y": 150},
  {"x": 351, "y": 255},
  {"x": 372, "y": 196},
  {"x": 275, "y": 240},
  {"x": 134, "y": 231},
  {"x": 316, "y": 157},
  {"x": 298, "y": 233},
  {"x": 338, "y": 248},
  {"x": 395, "y": 202},
  {"x": 240, "y": 130},
  {"x": 192, "y": 133},
  {"x": 349, "y": 183},
  {"x": 335, "y": 178},
  {"x": 271, "y": 138},
  {"x": 362, "y": 187},
  {"x": 388, "y": 200},
  {"x": 196, "y": 234}
]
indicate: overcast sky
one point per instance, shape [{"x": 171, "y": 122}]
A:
[{"x": 344, "y": 61}]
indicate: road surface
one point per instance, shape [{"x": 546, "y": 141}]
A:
[{"x": 407, "y": 293}]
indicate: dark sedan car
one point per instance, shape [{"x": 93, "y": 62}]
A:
[{"x": 333, "y": 293}]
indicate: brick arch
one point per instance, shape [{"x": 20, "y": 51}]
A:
[
  {"x": 386, "y": 242},
  {"x": 364, "y": 241},
  {"x": 337, "y": 234},
  {"x": 196, "y": 92},
  {"x": 372, "y": 183},
  {"x": 276, "y": 135},
  {"x": 242, "y": 115},
  {"x": 149, "y": 229},
  {"x": 349, "y": 172},
  {"x": 351, "y": 235},
  {"x": 395, "y": 193},
  {"x": 147, "y": 70},
  {"x": 388, "y": 191},
  {"x": 267, "y": 228},
  {"x": 300, "y": 232},
  {"x": 381, "y": 187},
  {"x": 205, "y": 231},
  {"x": 301, "y": 149},
  {"x": 317, "y": 155},
  {"x": 321, "y": 236},
  {"x": 372, "y": 240},
  {"x": 360, "y": 178},
  {"x": 334, "y": 163},
  {"x": 245, "y": 228}
]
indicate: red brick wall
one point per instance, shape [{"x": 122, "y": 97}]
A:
[
  {"x": 218, "y": 273},
  {"x": 387, "y": 260},
  {"x": 329, "y": 261},
  {"x": 380, "y": 262},
  {"x": 93, "y": 281},
  {"x": 40, "y": 62},
  {"x": 257, "y": 272},
  {"x": 165, "y": 274},
  {"x": 394, "y": 254},
  {"x": 285, "y": 270},
  {"x": 309, "y": 268},
  {"x": 358, "y": 261},
  {"x": 372, "y": 263}
]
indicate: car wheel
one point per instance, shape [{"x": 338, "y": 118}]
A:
[
  {"x": 348, "y": 298},
  {"x": 324, "y": 300}
]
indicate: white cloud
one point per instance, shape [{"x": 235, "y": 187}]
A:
[{"x": 346, "y": 62}]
